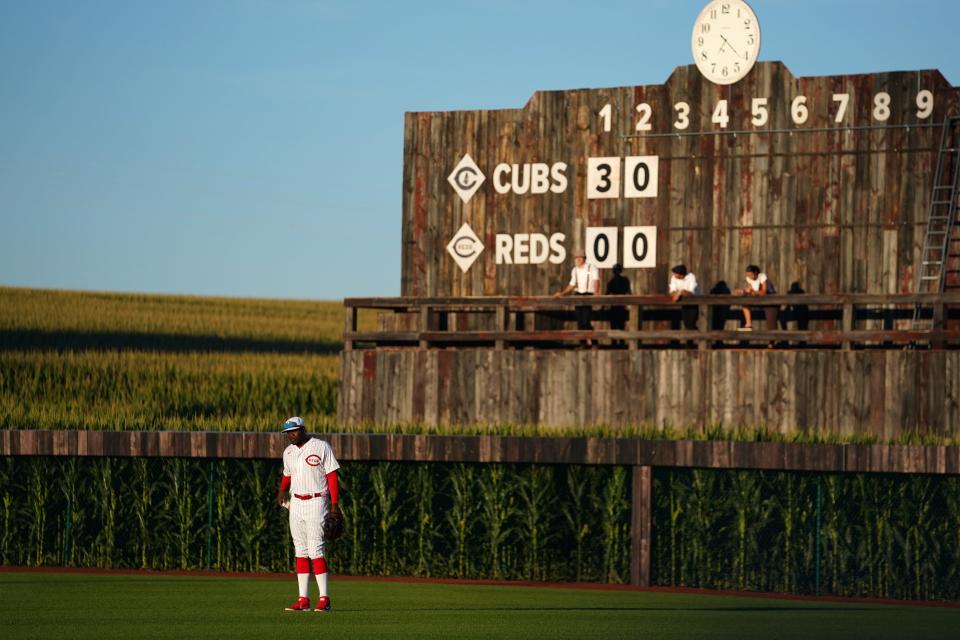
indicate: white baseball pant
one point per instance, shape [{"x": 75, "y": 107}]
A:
[{"x": 306, "y": 525}]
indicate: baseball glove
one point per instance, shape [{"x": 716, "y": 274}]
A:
[{"x": 333, "y": 526}]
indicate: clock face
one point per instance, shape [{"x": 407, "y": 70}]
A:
[{"x": 726, "y": 40}]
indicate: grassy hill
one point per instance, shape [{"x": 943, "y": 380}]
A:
[{"x": 128, "y": 361}]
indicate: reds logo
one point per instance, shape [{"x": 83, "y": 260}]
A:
[{"x": 313, "y": 460}]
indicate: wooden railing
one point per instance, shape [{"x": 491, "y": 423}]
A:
[{"x": 838, "y": 321}]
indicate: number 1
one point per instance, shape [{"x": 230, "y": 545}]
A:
[{"x": 605, "y": 114}]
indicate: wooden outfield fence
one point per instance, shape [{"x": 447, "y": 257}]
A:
[{"x": 641, "y": 455}]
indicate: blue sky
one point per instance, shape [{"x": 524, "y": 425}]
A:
[{"x": 254, "y": 148}]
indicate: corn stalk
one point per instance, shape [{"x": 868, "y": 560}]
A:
[
  {"x": 614, "y": 524},
  {"x": 383, "y": 478},
  {"x": 105, "y": 547},
  {"x": 538, "y": 506},
  {"x": 460, "y": 517},
  {"x": 252, "y": 514},
  {"x": 425, "y": 528},
  {"x": 575, "y": 513},
  {"x": 7, "y": 475},
  {"x": 70, "y": 486}
]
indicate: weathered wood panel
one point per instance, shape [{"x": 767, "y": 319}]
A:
[
  {"x": 497, "y": 449},
  {"x": 836, "y": 210},
  {"x": 641, "y": 526},
  {"x": 882, "y": 393}
]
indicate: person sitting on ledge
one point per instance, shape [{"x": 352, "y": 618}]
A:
[
  {"x": 758, "y": 284},
  {"x": 683, "y": 284}
]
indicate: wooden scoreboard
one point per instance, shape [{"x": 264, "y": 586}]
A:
[
  {"x": 821, "y": 180},
  {"x": 825, "y": 181}
]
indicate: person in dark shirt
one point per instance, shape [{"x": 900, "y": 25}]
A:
[
  {"x": 618, "y": 286},
  {"x": 799, "y": 313},
  {"x": 718, "y": 312}
]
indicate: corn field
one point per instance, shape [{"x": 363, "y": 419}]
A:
[
  {"x": 79, "y": 320},
  {"x": 884, "y": 536},
  {"x": 173, "y": 391},
  {"x": 879, "y": 535},
  {"x": 73, "y": 360}
]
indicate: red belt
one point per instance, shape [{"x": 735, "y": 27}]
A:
[{"x": 308, "y": 496}]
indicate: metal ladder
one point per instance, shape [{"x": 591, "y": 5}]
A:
[{"x": 941, "y": 220}]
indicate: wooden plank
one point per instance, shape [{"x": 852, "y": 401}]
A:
[
  {"x": 720, "y": 454},
  {"x": 349, "y": 326},
  {"x": 641, "y": 526},
  {"x": 874, "y": 393}
]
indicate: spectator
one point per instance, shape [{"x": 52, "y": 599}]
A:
[
  {"x": 683, "y": 284},
  {"x": 718, "y": 312},
  {"x": 799, "y": 313},
  {"x": 584, "y": 281},
  {"x": 618, "y": 286},
  {"x": 758, "y": 284}
]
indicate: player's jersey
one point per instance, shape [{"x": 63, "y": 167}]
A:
[{"x": 308, "y": 466}]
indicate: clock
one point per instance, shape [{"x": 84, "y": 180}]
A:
[{"x": 726, "y": 40}]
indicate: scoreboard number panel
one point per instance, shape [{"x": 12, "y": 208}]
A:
[
  {"x": 638, "y": 251},
  {"x": 602, "y": 250},
  {"x": 639, "y": 247},
  {"x": 640, "y": 176},
  {"x": 603, "y": 178}
]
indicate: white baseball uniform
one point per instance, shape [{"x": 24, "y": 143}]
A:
[{"x": 307, "y": 467}]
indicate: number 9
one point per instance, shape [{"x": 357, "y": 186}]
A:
[{"x": 924, "y": 104}]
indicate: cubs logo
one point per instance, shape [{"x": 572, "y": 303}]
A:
[{"x": 313, "y": 460}]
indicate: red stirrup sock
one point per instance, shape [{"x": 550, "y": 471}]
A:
[{"x": 319, "y": 566}]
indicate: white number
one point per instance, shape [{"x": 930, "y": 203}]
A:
[
  {"x": 640, "y": 176},
  {"x": 798, "y": 110},
  {"x": 720, "y": 116},
  {"x": 881, "y": 106},
  {"x": 683, "y": 110},
  {"x": 924, "y": 104},
  {"x": 758, "y": 107},
  {"x": 605, "y": 114},
  {"x": 643, "y": 124},
  {"x": 603, "y": 178},
  {"x": 843, "y": 99}
]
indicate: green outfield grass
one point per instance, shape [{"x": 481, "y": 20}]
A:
[{"x": 49, "y": 605}]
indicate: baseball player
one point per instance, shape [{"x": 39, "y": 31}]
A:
[{"x": 310, "y": 476}]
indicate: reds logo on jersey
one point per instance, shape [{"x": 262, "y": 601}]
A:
[{"x": 313, "y": 460}]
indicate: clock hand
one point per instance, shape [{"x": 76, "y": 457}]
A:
[{"x": 726, "y": 43}]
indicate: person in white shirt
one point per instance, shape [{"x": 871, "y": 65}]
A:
[
  {"x": 683, "y": 284},
  {"x": 309, "y": 488},
  {"x": 584, "y": 281},
  {"x": 758, "y": 284}
]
